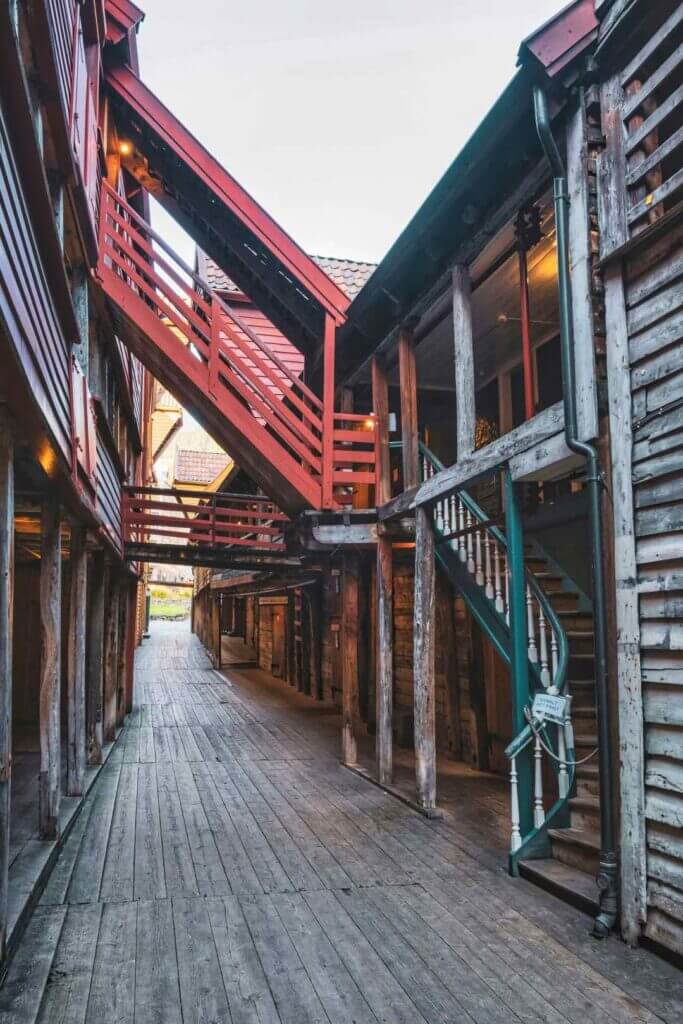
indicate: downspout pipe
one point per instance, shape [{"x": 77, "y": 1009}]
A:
[{"x": 608, "y": 869}]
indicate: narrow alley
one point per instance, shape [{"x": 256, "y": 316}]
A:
[{"x": 225, "y": 867}]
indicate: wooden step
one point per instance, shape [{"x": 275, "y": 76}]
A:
[
  {"x": 575, "y": 887},
  {"x": 575, "y": 619},
  {"x": 585, "y": 812},
  {"x": 561, "y": 600},
  {"x": 577, "y": 848},
  {"x": 587, "y": 780},
  {"x": 23, "y": 990},
  {"x": 581, "y": 666}
]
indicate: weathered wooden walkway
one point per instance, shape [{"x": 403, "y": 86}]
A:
[{"x": 225, "y": 868}]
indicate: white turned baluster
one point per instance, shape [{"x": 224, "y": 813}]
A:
[
  {"x": 515, "y": 834},
  {"x": 531, "y": 626},
  {"x": 507, "y": 589},
  {"x": 479, "y": 564},
  {"x": 563, "y": 775},
  {"x": 462, "y": 547},
  {"x": 553, "y": 653},
  {"x": 439, "y": 517},
  {"x": 487, "y": 564},
  {"x": 454, "y": 521},
  {"x": 497, "y": 578},
  {"x": 539, "y": 813},
  {"x": 470, "y": 545},
  {"x": 543, "y": 636}
]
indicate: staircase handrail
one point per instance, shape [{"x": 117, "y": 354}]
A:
[
  {"x": 536, "y": 840},
  {"x": 560, "y": 677}
]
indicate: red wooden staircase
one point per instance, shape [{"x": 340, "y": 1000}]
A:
[{"x": 288, "y": 439}]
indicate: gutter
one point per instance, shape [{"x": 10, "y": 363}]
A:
[{"x": 607, "y": 871}]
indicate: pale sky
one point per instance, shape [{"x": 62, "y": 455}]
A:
[{"x": 337, "y": 117}]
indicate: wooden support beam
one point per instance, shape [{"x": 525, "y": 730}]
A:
[
  {"x": 349, "y": 642},
  {"x": 464, "y": 361},
  {"x": 95, "y": 660},
  {"x": 130, "y": 646},
  {"x": 75, "y": 750},
  {"x": 111, "y": 658},
  {"x": 215, "y": 610},
  {"x": 385, "y": 662},
  {"x": 50, "y": 669},
  {"x": 424, "y": 661},
  {"x": 121, "y": 651},
  {"x": 409, "y": 425},
  {"x": 6, "y": 607},
  {"x": 380, "y": 407}
]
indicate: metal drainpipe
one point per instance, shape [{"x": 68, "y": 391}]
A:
[{"x": 607, "y": 872}]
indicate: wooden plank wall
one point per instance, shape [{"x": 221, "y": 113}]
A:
[
  {"x": 654, "y": 299},
  {"x": 26, "y": 307},
  {"x": 108, "y": 484}
]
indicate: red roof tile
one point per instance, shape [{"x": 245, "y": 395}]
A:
[
  {"x": 349, "y": 275},
  {"x": 199, "y": 467}
]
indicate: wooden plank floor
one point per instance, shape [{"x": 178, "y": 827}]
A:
[{"x": 226, "y": 869}]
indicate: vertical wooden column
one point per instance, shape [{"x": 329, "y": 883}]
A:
[
  {"x": 384, "y": 686},
  {"x": 6, "y": 607},
  {"x": 349, "y": 641},
  {"x": 75, "y": 749},
  {"x": 111, "y": 658},
  {"x": 122, "y": 652},
  {"x": 464, "y": 361},
  {"x": 380, "y": 407},
  {"x": 409, "y": 427},
  {"x": 50, "y": 668},
  {"x": 215, "y": 626},
  {"x": 95, "y": 660},
  {"x": 424, "y": 661},
  {"x": 385, "y": 661},
  {"x": 328, "y": 412},
  {"x": 130, "y": 646}
]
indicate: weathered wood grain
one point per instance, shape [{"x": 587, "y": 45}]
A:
[
  {"x": 423, "y": 660},
  {"x": 50, "y": 668},
  {"x": 6, "y": 677},
  {"x": 75, "y": 761}
]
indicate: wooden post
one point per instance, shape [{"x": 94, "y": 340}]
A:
[
  {"x": 95, "y": 660},
  {"x": 6, "y": 607},
  {"x": 423, "y": 660},
  {"x": 111, "y": 659},
  {"x": 385, "y": 661},
  {"x": 464, "y": 361},
  {"x": 75, "y": 750},
  {"x": 380, "y": 407},
  {"x": 216, "y": 629},
  {"x": 349, "y": 641},
  {"x": 328, "y": 413},
  {"x": 122, "y": 652},
  {"x": 50, "y": 669},
  {"x": 409, "y": 426},
  {"x": 130, "y": 646}
]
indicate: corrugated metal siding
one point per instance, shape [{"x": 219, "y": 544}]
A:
[
  {"x": 108, "y": 487},
  {"x": 26, "y": 305},
  {"x": 654, "y": 290}
]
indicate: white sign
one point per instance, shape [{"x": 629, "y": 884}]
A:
[{"x": 550, "y": 707}]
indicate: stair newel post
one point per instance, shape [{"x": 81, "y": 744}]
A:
[
  {"x": 328, "y": 412},
  {"x": 515, "y": 834},
  {"x": 519, "y": 660},
  {"x": 562, "y": 773}
]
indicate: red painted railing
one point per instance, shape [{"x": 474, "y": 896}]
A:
[
  {"x": 185, "y": 516},
  {"x": 240, "y": 371}
]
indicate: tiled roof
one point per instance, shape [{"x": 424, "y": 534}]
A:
[
  {"x": 349, "y": 275},
  {"x": 193, "y": 467}
]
